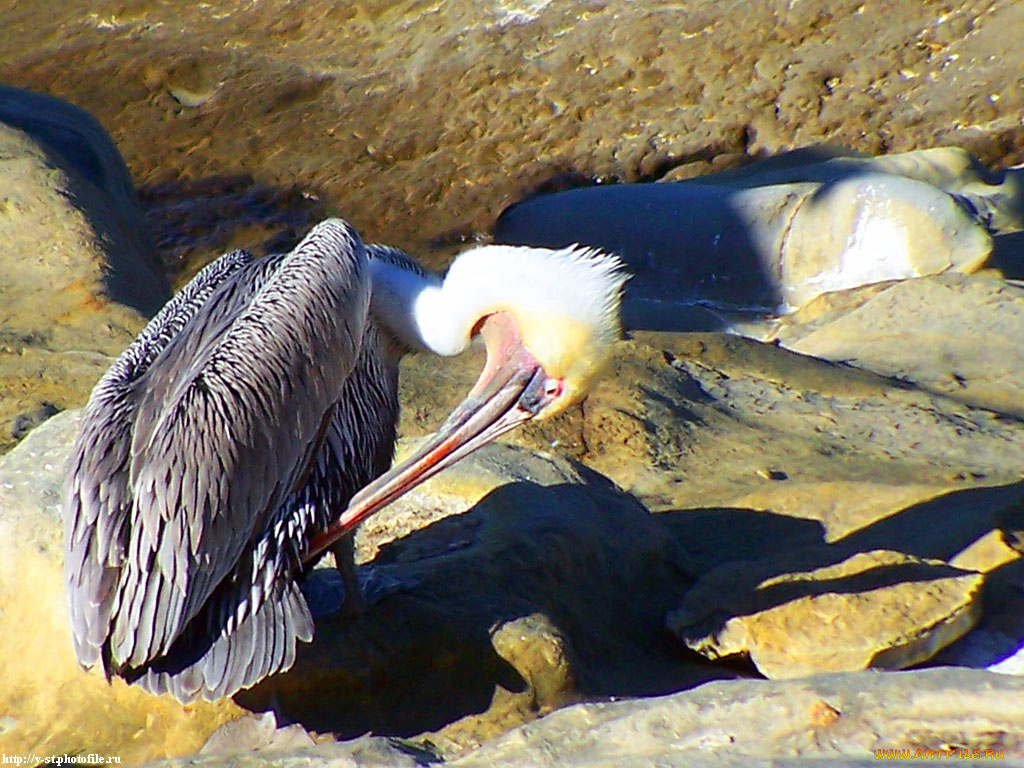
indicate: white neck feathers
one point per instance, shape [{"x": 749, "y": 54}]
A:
[{"x": 538, "y": 286}]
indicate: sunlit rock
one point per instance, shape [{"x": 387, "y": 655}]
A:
[{"x": 873, "y": 609}]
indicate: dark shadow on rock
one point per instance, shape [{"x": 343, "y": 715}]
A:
[
  {"x": 712, "y": 537},
  {"x": 25, "y": 422},
  {"x": 192, "y": 219},
  {"x": 688, "y": 251},
  {"x": 99, "y": 184},
  {"x": 941, "y": 527},
  {"x": 405, "y": 667},
  {"x": 762, "y": 545},
  {"x": 589, "y": 558},
  {"x": 1002, "y": 621},
  {"x": 784, "y": 168},
  {"x": 1008, "y": 255}
]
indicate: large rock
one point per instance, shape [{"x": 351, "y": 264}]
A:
[
  {"x": 703, "y": 420},
  {"x": 775, "y": 235},
  {"x": 79, "y": 270},
  {"x": 851, "y": 720},
  {"x": 873, "y": 609},
  {"x": 951, "y": 334},
  {"x": 762, "y": 460},
  {"x": 420, "y": 123},
  {"x": 842, "y": 718}
]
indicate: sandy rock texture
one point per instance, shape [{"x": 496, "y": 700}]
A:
[
  {"x": 79, "y": 270},
  {"x": 867, "y": 458},
  {"x": 421, "y": 122},
  {"x": 48, "y": 705},
  {"x": 842, "y": 720}
]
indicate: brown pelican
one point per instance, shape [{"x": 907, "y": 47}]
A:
[{"x": 222, "y": 452}]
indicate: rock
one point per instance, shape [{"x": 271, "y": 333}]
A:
[
  {"x": 951, "y": 334},
  {"x": 842, "y": 507},
  {"x": 758, "y": 457},
  {"x": 421, "y": 123},
  {"x": 846, "y": 720},
  {"x": 368, "y": 751},
  {"x": 842, "y": 717},
  {"x": 997, "y": 643},
  {"x": 71, "y": 200},
  {"x": 80, "y": 269},
  {"x": 873, "y": 609},
  {"x": 526, "y": 582},
  {"x": 50, "y": 705},
  {"x": 764, "y": 240},
  {"x": 716, "y": 418},
  {"x": 764, "y": 461},
  {"x": 256, "y": 732}
]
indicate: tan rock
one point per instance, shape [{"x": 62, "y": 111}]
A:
[
  {"x": 873, "y": 609},
  {"x": 875, "y": 227},
  {"x": 256, "y": 732},
  {"x": 842, "y": 507},
  {"x": 703, "y": 420},
  {"x": 846, "y": 720},
  {"x": 955, "y": 335},
  {"x": 988, "y": 553},
  {"x": 542, "y": 656},
  {"x": 79, "y": 269},
  {"x": 49, "y": 705},
  {"x": 830, "y": 719}
]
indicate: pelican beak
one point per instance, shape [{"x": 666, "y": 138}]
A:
[{"x": 512, "y": 388}]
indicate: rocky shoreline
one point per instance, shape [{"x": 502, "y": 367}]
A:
[{"x": 813, "y": 497}]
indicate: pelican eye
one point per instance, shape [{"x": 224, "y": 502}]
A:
[{"x": 540, "y": 392}]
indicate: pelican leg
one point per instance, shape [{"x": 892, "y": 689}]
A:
[{"x": 344, "y": 551}]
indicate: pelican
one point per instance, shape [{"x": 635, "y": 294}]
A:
[{"x": 250, "y": 427}]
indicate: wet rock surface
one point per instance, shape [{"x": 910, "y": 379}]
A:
[{"x": 421, "y": 123}]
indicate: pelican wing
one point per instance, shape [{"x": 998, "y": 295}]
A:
[
  {"x": 228, "y": 418},
  {"x": 97, "y": 498}
]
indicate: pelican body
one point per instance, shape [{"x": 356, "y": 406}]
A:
[{"x": 250, "y": 427}]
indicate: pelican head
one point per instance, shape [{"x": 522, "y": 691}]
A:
[
  {"x": 558, "y": 308},
  {"x": 548, "y": 319}
]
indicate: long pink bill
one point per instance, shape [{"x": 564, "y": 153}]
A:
[{"x": 511, "y": 389}]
